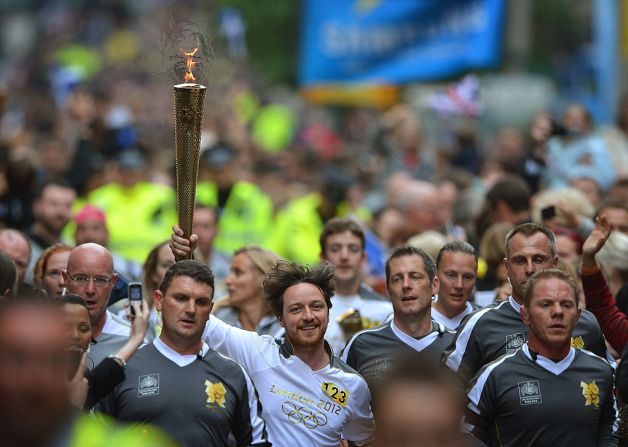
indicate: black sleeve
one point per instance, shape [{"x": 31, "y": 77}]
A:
[
  {"x": 102, "y": 380},
  {"x": 622, "y": 377}
]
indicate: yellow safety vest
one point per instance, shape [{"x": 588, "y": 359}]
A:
[
  {"x": 297, "y": 230},
  {"x": 298, "y": 226},
  {"x": 246, "y": 218},
  {"x": 102, "y": 431},
  {"x": 138, "y": 218}
]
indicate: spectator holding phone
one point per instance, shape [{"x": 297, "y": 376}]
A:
[{"x": 102, "y": 378}]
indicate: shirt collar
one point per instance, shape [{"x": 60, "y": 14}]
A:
[
  {"x": 420, "y": 343},
  {"x": 113, "y": 327},
  {"x": 555, "y": 368},
  {"x": 287, "y": 350},
  {"x": 515, "y": 305},
  {"x": 174, "y": 356}
]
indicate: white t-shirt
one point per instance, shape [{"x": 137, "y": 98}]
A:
[
  {"x": 300, "y": 406},
  {"x": 451, "y": 324},
  {"x": 373, "y": 313}
]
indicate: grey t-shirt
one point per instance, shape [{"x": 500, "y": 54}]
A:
[
  {"x": 114, "y": 335},
  {"x": 198, "y": 400},
  {"x": 489, "y": 333},
  {"x": 373, "y": 352},
  {"x": 524, "y": 399}
]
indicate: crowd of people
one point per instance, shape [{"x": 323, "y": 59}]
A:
[{"x": 358, "y": 277}]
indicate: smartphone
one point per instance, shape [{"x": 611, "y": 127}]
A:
[
  {"x": 74, "y": 360},
  {"x": 135, "y": 293},
  {"x": 549, "y": 212}
]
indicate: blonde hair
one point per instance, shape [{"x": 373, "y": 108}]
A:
[
  {"x": 573, "y": 198},
  {"x": 264, "y": 260},
  {"x": 493, "y": 243},
  {"x": 429, "y": 241}
]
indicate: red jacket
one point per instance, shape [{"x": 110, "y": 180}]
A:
[{"x": 601, "y": 302}]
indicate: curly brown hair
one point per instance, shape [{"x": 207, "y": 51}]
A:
[{"x": 286, "y": 274}]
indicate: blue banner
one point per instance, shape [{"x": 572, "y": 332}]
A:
[{"x": 396, "y": 41}]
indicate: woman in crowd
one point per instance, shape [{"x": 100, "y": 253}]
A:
[
  {"x": 157, "y": 262},
  {"x": 102, "y": 378},
  {"x": 47, "y": 273},
  {"x": 492, "y": 280},
  {"x": 245, "y": 306}
]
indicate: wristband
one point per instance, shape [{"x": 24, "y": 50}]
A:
[
  {"x": 589, "y": 270},
  {"x": 118, "y": 360}
]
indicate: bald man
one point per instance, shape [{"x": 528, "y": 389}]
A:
[
  {"x": 15, "y": 245},
  {"x": 90, "y": 274}
]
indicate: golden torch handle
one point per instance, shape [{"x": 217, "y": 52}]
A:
[{"x": 188, "y": 116}]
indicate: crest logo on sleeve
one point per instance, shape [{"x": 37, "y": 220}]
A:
[
  {"x": 383, "y": 367},
  {"x": 577, "y": 342},
  {"x": 215, "y": 393},
  {"x": 591, "y": 394},
  {"x": 339, "y": 395},
  {"x": 514, "y": 342},
  {"x": 530, "y": 393},
  {"x": 148, "y": 385}
]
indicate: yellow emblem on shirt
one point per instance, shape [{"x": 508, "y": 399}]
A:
[
  {"x": 591, "y": 393},
  {"x": 339, "y": 396},
  {"x": 577, "y": 342},
  {"x": 215, "y": 393}
]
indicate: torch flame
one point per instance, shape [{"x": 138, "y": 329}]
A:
[{"x": 189, "y": 77}]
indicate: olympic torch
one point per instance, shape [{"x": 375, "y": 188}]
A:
[{"x": 188, "y": 117}]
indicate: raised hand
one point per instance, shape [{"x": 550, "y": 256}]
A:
[
  {"x": 596, "y": 240},
  {"x": 179, "y": 245},
  {"x": 79, "y": 385}
]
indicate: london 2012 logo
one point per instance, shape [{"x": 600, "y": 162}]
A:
[{"x": 303, "y": 415}]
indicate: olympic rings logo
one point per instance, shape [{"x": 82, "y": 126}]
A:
[{"x": 310, "y": 418}]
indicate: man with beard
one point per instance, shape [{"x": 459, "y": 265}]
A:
[
  {"x": 492, "y": 332},
  {"x": 177, "y": 383},
  {"x": 90, "y": 274},
  {"x": 308, "y": 396},
  {"x": 547, "y": 393},
  {"x": 52, "y": 210},
  {"x": 411, "y": 282},
  {"x": 343, "y": 245}
]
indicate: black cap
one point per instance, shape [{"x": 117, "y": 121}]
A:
[{"x": 219, "y": 155}]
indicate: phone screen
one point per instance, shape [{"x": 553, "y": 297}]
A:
[{"x": 135, "y": 293}]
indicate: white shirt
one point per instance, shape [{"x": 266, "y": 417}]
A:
[
  {"x": 301, "y": 407},
  {"x": 451, "y": 324},
  {"x": 115, "y": 325},
  {"x": 373, "y": 314},
  {"x": 179, "y": 359}
]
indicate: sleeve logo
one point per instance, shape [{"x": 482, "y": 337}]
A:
[
  {"x": 591, "y": 394},
  {"x": 577, "y": 342},
  {"x": 338, "y": 395},
  {"x": 514, "y": 342},
  {"x": 215, "y": 393}
]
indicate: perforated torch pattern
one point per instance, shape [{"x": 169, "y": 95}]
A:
[{"x": 188, "y": 116}]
